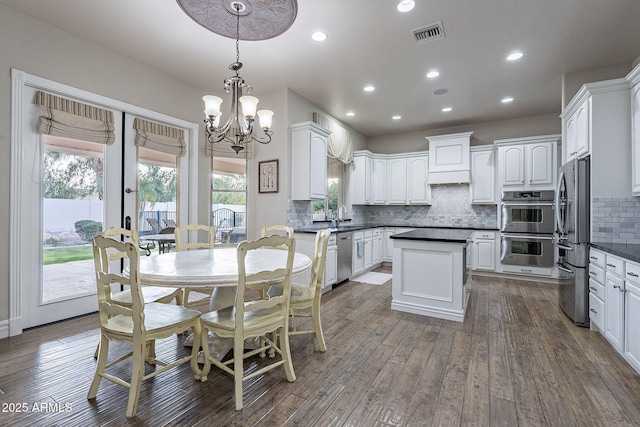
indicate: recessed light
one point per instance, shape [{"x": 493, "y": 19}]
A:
[
  {"x": 350, "y": 113},
  {"x": 406, "y": 5},
  {"x": 506, "y": 100},
  {"x": 446, "y": 109},
  {"x": 319, "y": 36},
  {"x": 396, "y": 117},
  {"x": 369, "y": 88},
  {"x": 440, "y": 91},
  {"x": 432, "y": 74},
  {"x": 514, "y": 56}
]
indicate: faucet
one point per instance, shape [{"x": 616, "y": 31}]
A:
[{"x": 340, "y": 212}]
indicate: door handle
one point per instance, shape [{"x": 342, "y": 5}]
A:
[
  {"x": 127, "y": 222},
  {"x": 129, "y": 191}
]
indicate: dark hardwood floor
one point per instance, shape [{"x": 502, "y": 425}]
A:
[{"x": 516, "y": 360}]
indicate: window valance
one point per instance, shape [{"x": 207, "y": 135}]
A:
[
  {"x": 72, "y": 119},
  {"x": 339, "y": 144},
  {"x": 163, "y": 138}
]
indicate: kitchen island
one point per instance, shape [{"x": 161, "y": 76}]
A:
[{"x": 429, "y": 273}]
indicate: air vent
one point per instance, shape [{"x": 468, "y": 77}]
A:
[{"x": 429, "y": 33}]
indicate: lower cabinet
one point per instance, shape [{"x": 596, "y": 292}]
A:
[
  {"x": 614, "y": 302},
  {"x": 483, "y": 250},
  {"x": 357, "y": 255},
  {"x": 331, "y": 264}
]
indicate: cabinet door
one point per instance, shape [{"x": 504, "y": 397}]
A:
[
  {"x": 379, "y": 181},
  {"x": 357, "y": 263},
  {"x": 540, "y": 164},
  {"x": 511, "y": 165},
  {"x": 614, "y": 311},
  {"x": 398, "y": 181},
  {"x": 632, "y": 325},
  {"x": 419, "y": 190},
  {"x": 570, "y": 137},
  {"x": 582, "y": 129},
  {"x": 331, "y": 266},
  {"x": 377, "y": 246},
  {"x": 388, "y": 243},
  {"x": 359, "y": 179},
  {"x": 368, "y": 252},
  {"x": 635, "y": 140},
  {"x": 483, "y": 183},
  {"x": 318, "y": 167},
  {"x": 484, "y": 255}
]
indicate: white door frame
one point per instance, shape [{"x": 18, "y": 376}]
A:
[{"x": 20, "y": 248}]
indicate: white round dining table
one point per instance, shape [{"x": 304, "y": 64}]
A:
[{"x": 216, "y": 268}]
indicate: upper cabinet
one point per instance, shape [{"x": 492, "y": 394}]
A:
[
  {"x": 449, "y": 158},
  {"x": 634, "y": 78},
  {"x": 576, "y": 132},
  {"x": 528, "y": 163},
  {"x": 483, "y": 175},
  {"x": 384, "y": 179},
  {"x": 309, "y": 161}
]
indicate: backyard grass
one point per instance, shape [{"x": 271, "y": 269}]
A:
[{"x": 60, "y": 255}]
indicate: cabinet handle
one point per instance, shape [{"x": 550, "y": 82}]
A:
[
  {"x": 593, "y": 310},
  {"x": 593, "y": 288},
  {"x": 632, "y": 274},
  {"x": 592, "y": 273},
  {"x": 593, "y": 257},
  {"x": 611, "y": 265},
  {"x": 527, "y": 270}
]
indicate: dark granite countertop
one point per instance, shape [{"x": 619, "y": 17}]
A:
[
  {"x": 345, "y": 226},
  {"x": 623, "y": 250},
  {"x": 436, "y": 235}
]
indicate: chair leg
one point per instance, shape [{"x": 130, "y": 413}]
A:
[
  {"x": 103, "y": 351},
  {"x": 196, "y": 329},
  {"x": 204, "y": 343},
  {"x": 137, "y": 372},
  {"x": 286, "y": 355},
  {"x": 317, "y": 325},
  {"x": 238, "y": 369}
]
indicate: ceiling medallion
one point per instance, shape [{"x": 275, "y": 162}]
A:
[{"x": 260, "y": 19}]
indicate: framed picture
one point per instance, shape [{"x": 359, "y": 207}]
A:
[{"x": 268, "y": 176}]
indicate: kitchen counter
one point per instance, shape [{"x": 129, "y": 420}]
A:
[
  {"x": 452, "y": 235},
  {"x": 623, "y": 250},
  {"x": 348, "y": 227}
]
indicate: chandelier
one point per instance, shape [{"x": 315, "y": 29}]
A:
[{"x": 238, "y": 130}]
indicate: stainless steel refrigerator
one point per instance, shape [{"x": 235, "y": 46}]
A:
[{"x": 573, "y": 199}]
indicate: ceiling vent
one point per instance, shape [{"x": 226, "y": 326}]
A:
[{"x": 428, "y": 33}]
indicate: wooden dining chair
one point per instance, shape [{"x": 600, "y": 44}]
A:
[
  {"x": 199, "y": 295},
  {"x": 271, "y": 230},
  {"x": 137, "y": 323},
  {"x": 253, "y": 318},
  {"x": 305, "y": 297}
]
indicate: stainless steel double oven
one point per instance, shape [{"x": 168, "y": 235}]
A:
[{"x": 527, "y": 228}]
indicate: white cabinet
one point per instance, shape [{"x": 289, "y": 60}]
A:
[
  {"x": 309, "y": 161},
  {"x": 331, "y": 263},
  {"x": 483, "y": 250},
  {"x": 597, "y": 289},
  {"x": 419, "y": 191},
  {"x": 528, "y": 163},
  {"x": 483, "y": 175},
  {"x": 614, "y": 310},
  {"x": 632, "y": 314},
  {"x": 379, "y": 189},
  {"x": 368, "y": 249},
  {"x": 361, "y": 178},
  {"x": 378, "y": 251},
  {"x": 357, "y": 256},
  {"x": 634, "y": 78},
  {"x": 398, "y": 181},
  {"x": 576, "y": 132}
]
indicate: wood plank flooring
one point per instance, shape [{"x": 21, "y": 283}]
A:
[{"x": 516, "y": 360}]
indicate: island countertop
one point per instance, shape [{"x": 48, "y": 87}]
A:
[{"x": 450, "y": 235}]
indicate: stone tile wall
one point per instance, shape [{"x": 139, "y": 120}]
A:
[
  {"x": 450, "y": 207},
  {"x": 615, "y": 220}
]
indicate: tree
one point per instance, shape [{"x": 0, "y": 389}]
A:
[
  {"x": 71, "y": 176},
  {"x": 156, "y": 184},
  {"x": 229, "y": 190}
]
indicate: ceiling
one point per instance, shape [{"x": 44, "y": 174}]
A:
[{"x": 370, "y": 42}]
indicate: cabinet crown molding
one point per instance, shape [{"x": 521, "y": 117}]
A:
[
  {"x": 589, "y": 89},
  {"x": 528, "y": 139}
]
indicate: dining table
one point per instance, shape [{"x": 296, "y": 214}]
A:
[
  {"x": 215, "y": 268},
  {"x": 163, "y": 239}
]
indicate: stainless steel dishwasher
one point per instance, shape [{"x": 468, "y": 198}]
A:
[{"x": 345, "y": 248}]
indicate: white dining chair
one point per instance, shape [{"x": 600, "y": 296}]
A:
[
  {"x": 199, "y": 295},
  {"x": 138, "y": 324},
  {"x": 305, "y": 297},
  {"x": 253, "y": 318}
]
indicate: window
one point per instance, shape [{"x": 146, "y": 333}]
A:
[
  {"x": 229, "y": 198},
  {"x": 157, "y": 190},
  {"x": 328, "y": 208}
]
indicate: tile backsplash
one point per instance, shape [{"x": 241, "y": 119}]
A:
[
  {"x": 450, "y": 207},
  {"x": 615, "y": 220}
]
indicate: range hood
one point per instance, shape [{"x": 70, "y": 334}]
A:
[{"x": 449, "y": 159}]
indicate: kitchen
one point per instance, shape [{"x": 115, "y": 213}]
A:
[{"x": 450, "y": 204}]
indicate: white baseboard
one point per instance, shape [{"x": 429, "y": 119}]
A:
[{"x": 4, "y": 329}]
